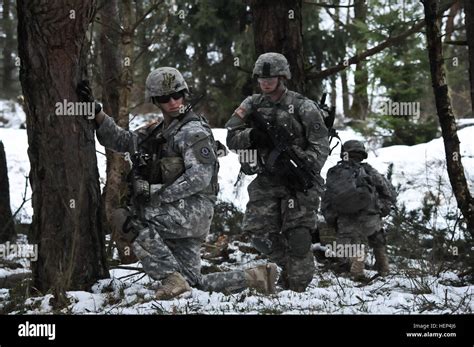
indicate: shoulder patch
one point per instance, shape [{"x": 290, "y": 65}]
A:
[
  {"x": 240, "y": 112},
  {"x": 204, "y": 151}
]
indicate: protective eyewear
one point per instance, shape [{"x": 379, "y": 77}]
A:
[{"x": 163, "y": 99}]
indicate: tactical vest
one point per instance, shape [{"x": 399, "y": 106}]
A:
[
  {"x": 166, "y": 163},
  {"x": 292, "y": 121}
]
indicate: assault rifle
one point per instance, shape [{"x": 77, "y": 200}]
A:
[
  {"x": 140, "y": 160},
  {"x": 300, "y": 173},
  {"x": 329, "y": 121}
]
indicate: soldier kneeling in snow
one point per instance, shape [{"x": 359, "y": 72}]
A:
[{"x": 174, "y": 192}]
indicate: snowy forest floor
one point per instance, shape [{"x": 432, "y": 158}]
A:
[{"x": 408, "y": 290}]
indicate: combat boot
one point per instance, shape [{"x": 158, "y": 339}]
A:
[
  {"x": 357, "y": 269},
  {"x": 262, "y": 278},
  {"x": 381, "y": 261},
  {"x": 172, "y": 286}
]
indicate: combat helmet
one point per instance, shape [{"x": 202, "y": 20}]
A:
[
  {"x": 271, "y": 65},
  {"x": 164, "y": 81},
  {"x": 354, "y": 146}
]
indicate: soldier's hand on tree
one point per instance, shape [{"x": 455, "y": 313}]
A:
[
  {"x": 260, "y": 139},
  {"x": 84, "y": 93}
]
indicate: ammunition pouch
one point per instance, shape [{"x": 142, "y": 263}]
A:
[
  {"x": 171, "y": 168},
  {"x": 153, "y": 171}
]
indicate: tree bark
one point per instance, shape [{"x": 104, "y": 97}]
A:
[
  {"x": 446, "y": 117},
  {"x": 469, "y": 12},
  {"x": 8, "y": 49},
  {"x": 116, "y": 95},
  {"x": 277, "y": 27},
  {"x": 64, "y": 176},
  {"x": 7, "y": 227},
  {"x": 145, "y": 57},
  {"x": 360, "y": 101},
  {"x": 127, "y": 60},
  {"x": 345, "y": 93}
]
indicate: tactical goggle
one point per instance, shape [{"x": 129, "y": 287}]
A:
[{"x": 163, "y": 99}]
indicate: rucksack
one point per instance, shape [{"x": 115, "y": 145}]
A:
[{"x": 350, "y": 189}]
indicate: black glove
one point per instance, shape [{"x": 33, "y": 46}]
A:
[
  {"x": 84, "y": 92},
  {"x": 131, "y": 229},
  {"x": 141, "y": 189},
  {"x": 260, "y": 139}
]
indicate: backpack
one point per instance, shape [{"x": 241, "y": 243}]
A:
[{"x": 350, "y": 189}]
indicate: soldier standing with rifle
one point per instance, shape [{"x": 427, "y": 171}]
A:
[
  {"x": 174, "y": 181},
  {"x": 288, "y": 132}
]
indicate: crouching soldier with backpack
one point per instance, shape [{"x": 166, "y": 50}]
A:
[{"x": 355, "y": 200}]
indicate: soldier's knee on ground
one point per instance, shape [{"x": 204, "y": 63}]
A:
[{"x": 299, "y": 242}]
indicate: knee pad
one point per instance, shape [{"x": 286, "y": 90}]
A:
[{"x": 299, "y": 242}]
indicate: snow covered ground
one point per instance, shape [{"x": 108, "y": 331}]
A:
[
  {"x": 131, "y": 292},
  {"x": 417, "y": 169}
]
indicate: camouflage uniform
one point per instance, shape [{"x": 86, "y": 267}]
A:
[
  {"x": 177, "y": 218},
  {"x": 279, "y": 218},
  {"x": 365, "y": 225}
]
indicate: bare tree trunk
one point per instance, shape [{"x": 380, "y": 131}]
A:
[
  {"x": 7, "y": 227},
  {"x": 8, "y": 49},
  {"x": 110, "y": 59},
  {"x": 277, "y": 27},
  {"x": 469, "y": 11},
  {"x": 333, "y": 90},
  {"x": 344, "y": 82},
  {"x": 115, "y": 191},
  {"x": 360, "y": 102},
  {"x": 145, "y": 57},
  {"x": 127, "y": 60},
  {"x": 64, "y": 176},
  {"x": 445, "y": 115},
  {"x": 345, "y": 93}
]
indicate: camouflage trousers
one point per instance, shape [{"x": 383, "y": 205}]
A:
[
  {"x": 360, "y": 229},
  {"x": 172, "y": 239},
  {"x": 280, "y": 223}
]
